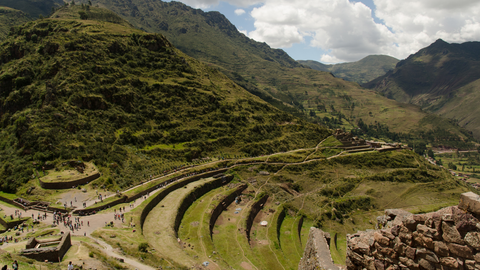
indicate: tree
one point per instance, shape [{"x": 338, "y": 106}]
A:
[
  {"x": 430, "y": 153},
  {"x": 89, "y": 2},
  {"x": 72, "y": 3},
  {"x": 452, "y": 166},
  {"x": 83, "y": 15}
]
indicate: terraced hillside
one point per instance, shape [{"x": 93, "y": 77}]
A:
[
  {"x": 125, "y": 100},
  {"x": 270, "y": 73},
  {"x": 255, "y": 213},
  {"x": 261, "y": 219}
]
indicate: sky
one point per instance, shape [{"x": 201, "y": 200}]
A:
[{"x": 335, "y": 31}]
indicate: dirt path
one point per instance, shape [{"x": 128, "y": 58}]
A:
[{"x": 109, "y": 251}]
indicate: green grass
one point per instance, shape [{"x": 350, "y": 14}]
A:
[
  {"x": 291, "y": 157},
  {"x": 68, "y": 174},
  {"x": 331, "y": 142},
  {"x": 9, "y": 196},
  {"x": 290, "y": 243},
  {"x": 194, "y": 229},
  {"x": 159, "y": 225}
]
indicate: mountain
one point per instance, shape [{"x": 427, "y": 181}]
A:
[
  {"x": 34, "y": 8},
  {"x": 124, "y": 99},
  {"x": 442, "y": 78},
  {"x": 362, "y": 71},
  {"x": 271, "y": 74},
  {"x": 10, "y": 17}
]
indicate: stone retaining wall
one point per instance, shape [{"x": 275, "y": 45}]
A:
[
  {"x": 68, "y": 184},
  {"x": 223, "y": 205},
  {"x": 299, "y": 228},
  {"x": 11, "y": 224},
  {"x": 446, "y": 239},
  {"x": 317, "y": 252},
  {"x": 127, "y": 199},
  {"x": 162, "y": 194},
  {"x": 256, "y": 207},
  {"x": 194, "y": 195},
  {"x": 280, "y": 218}
]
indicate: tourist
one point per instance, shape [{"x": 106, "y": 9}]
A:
[
  {"x": 15, "y": 265},
  {"x": 70, "y": 266}
]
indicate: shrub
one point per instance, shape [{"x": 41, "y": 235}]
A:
[{"x": 142, "y": 247}]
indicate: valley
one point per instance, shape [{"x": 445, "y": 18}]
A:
[{"x": 176, "y": 142}]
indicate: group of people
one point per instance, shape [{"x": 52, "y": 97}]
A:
[{"x": 6, "y": 239}]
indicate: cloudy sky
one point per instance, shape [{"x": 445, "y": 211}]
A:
[{"x": 333, "y": 31}]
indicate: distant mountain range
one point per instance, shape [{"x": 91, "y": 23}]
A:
[
  {"x": 270, "y": 73},
  {"x": 442, "y": 78},
  {"x": 274, "y": 76},
  {"x": 362, "y": 71}
]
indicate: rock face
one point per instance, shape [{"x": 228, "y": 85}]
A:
[
  {"x": 446, "y": 239},
  {"x": 317, "y": 252}
]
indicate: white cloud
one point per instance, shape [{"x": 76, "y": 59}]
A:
[
  {"x": 347, "y": 31},
  {"x": 239, "y": 11}
]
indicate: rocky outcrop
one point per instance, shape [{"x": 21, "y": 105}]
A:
[
  {"x": 446, "y": 239},
  {"x": 317, "y": 252}
]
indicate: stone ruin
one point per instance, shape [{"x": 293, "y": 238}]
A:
[
  {"x": 446, "y": 239},
  {"x": 317, "y": 252},
  {"x": 51, "y": 250}
]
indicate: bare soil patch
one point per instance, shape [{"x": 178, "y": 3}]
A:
[{"x": 246, "y": 266}]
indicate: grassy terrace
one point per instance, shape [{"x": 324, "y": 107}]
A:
[
  {"x": 68, "y": 174},
  {"x": 194, "y": 229},
  {"x": 161, "y": 235},
  {"x": 291, "y": 157}
]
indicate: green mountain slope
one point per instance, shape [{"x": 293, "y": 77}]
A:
[
  {"x": 34, "y": 8},
  {"x": 126, "y": 100},
  {"x": 268, "y": 73},
  {"x": 10, "y": 17},
  {"x": 362, "y": 71},
  {"x": 441, "y": 78}
]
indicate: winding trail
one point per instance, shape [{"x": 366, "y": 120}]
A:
[{"x": 109, "y": 251}]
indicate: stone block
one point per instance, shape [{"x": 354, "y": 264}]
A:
[
  {"x": 473, "y": 240},
  {"x": 379, "y": 265},
  {"x": 450, "y": 233},
  {"x": 449, "y": 262},
  {"x": 470, "y": 264},
  {"x": 470, "y": 202},
  {"x": 425, "y": 230},
  {"x": 382, "y": 240},
  {"x": 476, "y": 257},
  {"x": 460, "y": 251},
  {"x": 410, "y": 252},
  {"x": 388, "y": 234},
  {"x": 426, "y": 264},
  {"x": 441, "y": 249}
]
